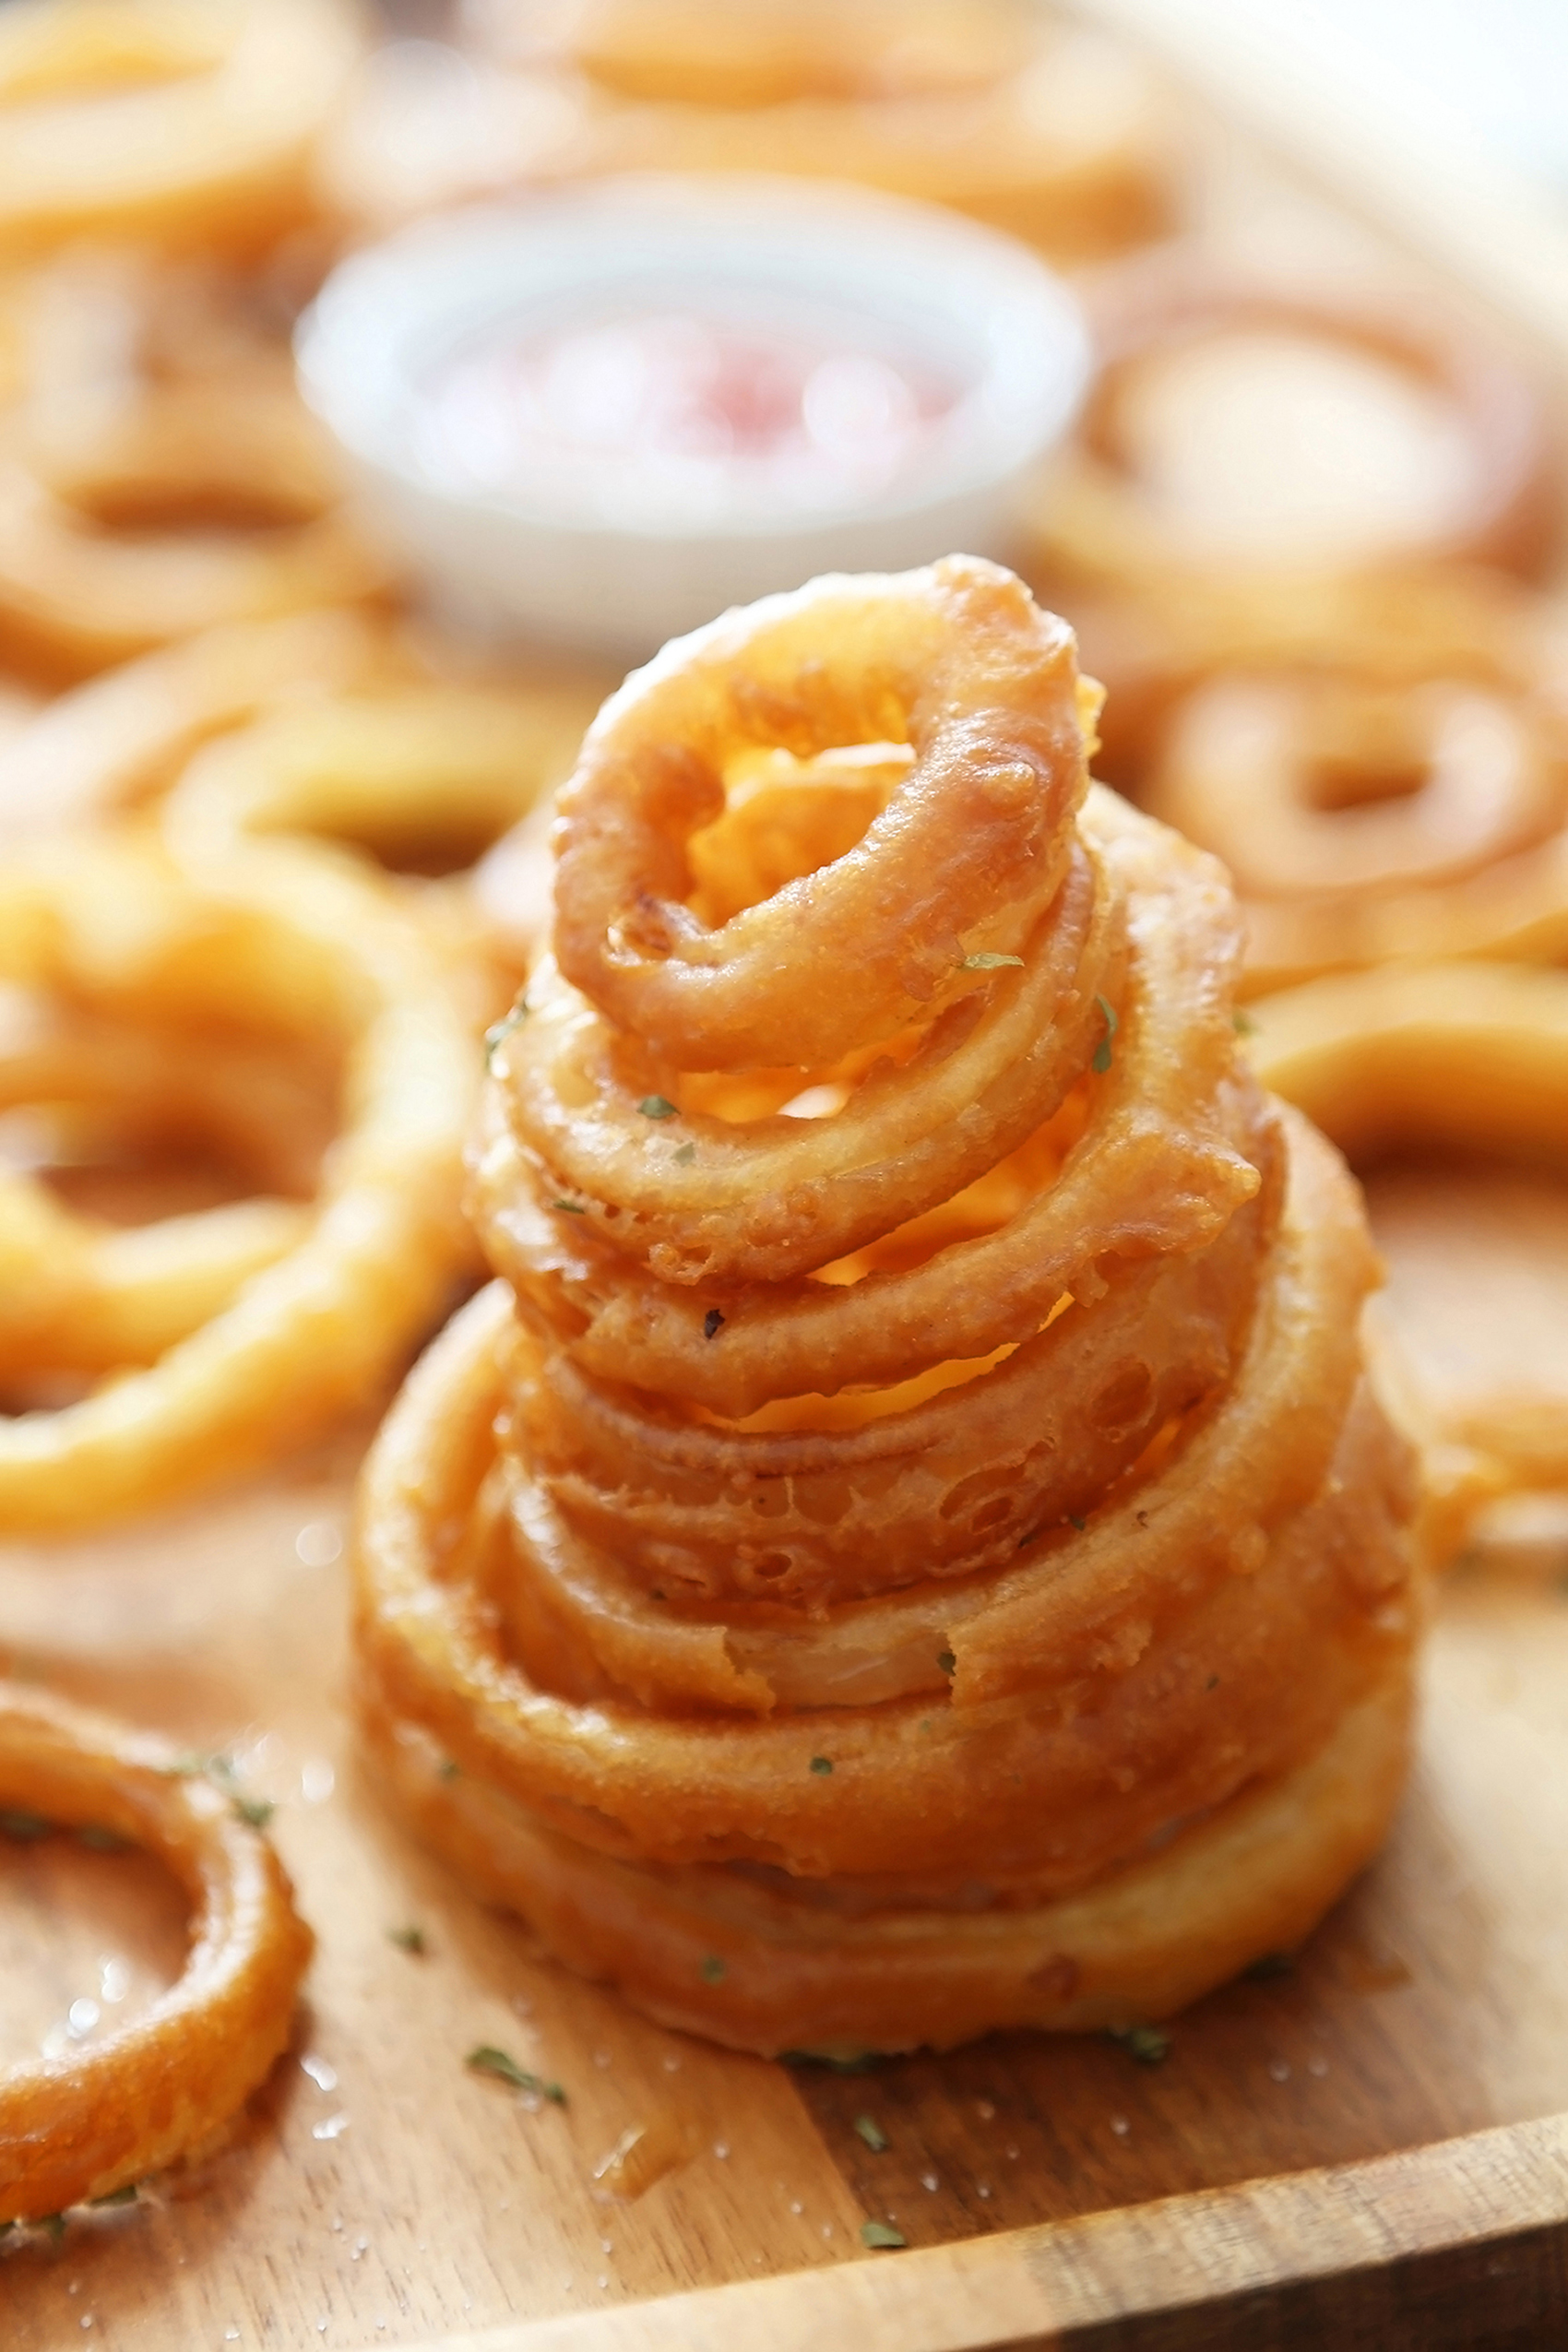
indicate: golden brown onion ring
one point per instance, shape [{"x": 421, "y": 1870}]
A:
[
  {"x": 1096, "y": 524},
  {"x": 968, "y": 852},
  {"x": 187, "y": 127},
  {"x": 739, "y": 1961},
  {"x": 1453, "y": 1057},
  {"x": 292, "y": 947},
  {"x": 110, "y": 2112}
]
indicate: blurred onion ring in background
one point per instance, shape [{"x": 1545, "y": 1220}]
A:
[
  {"x": 187, "y": 124},
  {"x": 283, "y": 948},
  {"x": 105, "y": 2114},
  {"x": 1461, "y": 1057},
  {"x": 1043, "y": 128},
  {"x": 1097, "y": 525}
]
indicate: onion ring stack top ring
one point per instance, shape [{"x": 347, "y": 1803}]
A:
[{"x": 933, "y": 1468}]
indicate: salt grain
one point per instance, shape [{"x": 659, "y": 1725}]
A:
[
  {"x": 1318, "y": 2066},
  {"x": 1120, "y": 2126},
  {"x": 1278, "y": 2070},
  {"x": 985, "y": 2110},
  {"x": 333, "y": 2127},
  {"x": 721, "y": 2149},
  {"x": 928, "y": 2181},
  {"x": 322, "y": 2075},
  {"x": 318, "y": 1544}
]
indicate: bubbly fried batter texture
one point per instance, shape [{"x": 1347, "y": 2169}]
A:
[
  {"x": 107, "y": 2113},
  {"x": 915, "y": 1494}
]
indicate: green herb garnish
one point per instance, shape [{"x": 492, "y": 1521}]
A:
[
  {"x": 713, "y": 1969},
  {"x": 487, "y": 2059},
  {"x": 1101, "y": 1062},
  {"x": 1244, "y": 1024},
  {"x": 658, "y": 1106},
  {"x": 573, "y": 1208},
  {"x": 865, "y": 2061},
  {"x": 686, "y": 1154},
  {"x": 102, "y": 1841},
  {"x": 255, "y": 1812},
  {"x": 881, "y": 2233},
  {"x": 1146, "y": 2044},
  {"x": 27, "y": 1826},
  {"x": 1073, "y": 1521},
  {"x": 497, "y": 1034},
  {"x": 448, "y": 1768},
  {"x": 872, "y": 2134},
  {"x": 126, "y": 2196},
  {"x": 410, "y": 1938},
  {"x": 1269, "y": 1964},
  {"x": 986, "y": 961},
  {"x": 946, "y": 1660},
  {"x": 821, "y": 1763}
]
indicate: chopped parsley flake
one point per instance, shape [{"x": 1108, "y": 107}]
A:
[
  {"x": 255, "y": 1812},
  {"x": 946, "y": 1660},
  {"x": 1146, "y": 2044},
  {"x": 1101, "y": 1062},
  {"x": 126, "y": 2196},
  {"x": 712, "y": 1323},
  {"x": 487, "y": 2059},
  {"x": 1269, "y": 1964},
  {"x": 864, "y": 2061},
  {"x": 1244, "y": 1024},
  {"x": 713, "y": 1969},
  {"x": 986, "y": 961},
  {"x": 821, "y": 1763},
  {"x": 27, "y": 1826},
  {"x": 658, "y": 1106},
  {"x": 1073, "y": 1521},
  {"x": 410, "y": 1938},
  {"x": 686, "y": 1154},
  {"x": 102, "y": 1841},
  {"x": 573, "y": 1208},
  {"x": 872, "y": 2134},
  {"x": 448, "y": 1768},
  {"x": 881, "y": 2233},
  {"x": 501, "y": 1031}
]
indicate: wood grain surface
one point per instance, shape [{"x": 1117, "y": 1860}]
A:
[{"x": 380, "y": 2194}]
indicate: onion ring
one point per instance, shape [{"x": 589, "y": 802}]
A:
[
  {"x": 91, "y": 2121},
  {"x": 291, "y": 947},
  {"x": 1097, "y": 525},
  {"x": 191, "y": 128},
  {"x": 1440, "y": 1056}
]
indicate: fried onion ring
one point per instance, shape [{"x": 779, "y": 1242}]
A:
[
  {"x": 832, "y": 1537},
  {"x": 1050, "y": 131},
  {"x": 1098, "y": 523},
  {"x": 101, "y": 2116},
  {"x": 1450, "y": 1057},
  {"x": 282, "y": 948},
  {"x": 187, "y": 127}
]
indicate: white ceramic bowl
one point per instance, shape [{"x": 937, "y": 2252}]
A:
[{"x": 620, "y": 576}]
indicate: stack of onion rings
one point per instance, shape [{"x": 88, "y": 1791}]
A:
[
  {"x": 219, "y": 1003},
  {"x": 105, "y": 2115},
  {"x": 873, "y": 1577}
]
